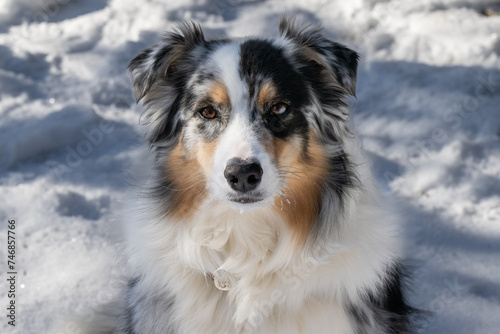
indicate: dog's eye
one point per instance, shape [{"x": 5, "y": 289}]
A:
[
  {"x": 279, "y": 109},
  {"x": 208, "y": 113}
]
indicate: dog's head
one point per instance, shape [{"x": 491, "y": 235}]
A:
[{"x": 251, "y": 122}]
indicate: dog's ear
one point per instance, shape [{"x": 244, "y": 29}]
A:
[
  {"x": 160, "y": 60},
  {"x": 337, "y": 59}
]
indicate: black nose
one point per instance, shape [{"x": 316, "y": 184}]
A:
[{"x": 243, "y": 175}]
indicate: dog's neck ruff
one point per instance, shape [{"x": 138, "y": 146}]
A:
[{"x": 228, "y": 247}]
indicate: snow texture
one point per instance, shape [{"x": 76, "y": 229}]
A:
[{"x": 427, "y": 112}]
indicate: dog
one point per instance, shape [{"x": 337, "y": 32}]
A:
[{"x": 255, "y": 210}]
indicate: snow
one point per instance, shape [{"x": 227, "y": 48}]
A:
[{"x": 427, "y": 112}]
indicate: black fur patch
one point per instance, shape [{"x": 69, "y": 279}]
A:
[
  {"x": 261, "y": 60},
  {"x": 385, "y": 309},
  {"x": 341, "y": 176},
  {"x": 362, "y": 320},
  {"x": 392, "y": 301}
]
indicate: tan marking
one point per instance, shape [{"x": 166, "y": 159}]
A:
[
  {"x": 266, "y": 93},
  {"x": 218, "y": 94},
  {"x": 205, "y": 155},
  {"x": 188, "y": 182},
  {"x": 286, "y": 152},
  {"x": 300, "y": 201}
]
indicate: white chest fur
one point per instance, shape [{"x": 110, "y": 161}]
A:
[{"x": 273, "y": 286}]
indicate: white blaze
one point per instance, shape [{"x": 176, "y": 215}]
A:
[{"x": 239, "y": 139}]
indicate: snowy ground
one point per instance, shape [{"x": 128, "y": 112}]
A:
[{"x": 427, "y": 112}]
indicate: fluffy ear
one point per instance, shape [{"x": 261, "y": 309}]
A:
[
  {"x": 339, "y": 60},
  {"x": 160, "y": 60}
]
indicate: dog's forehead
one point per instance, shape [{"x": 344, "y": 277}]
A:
[
  {"x": 226, "y": 63},
  {"x": 245, "y": 66}
]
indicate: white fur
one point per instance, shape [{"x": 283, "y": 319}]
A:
[{"x": 276, "y": 289}]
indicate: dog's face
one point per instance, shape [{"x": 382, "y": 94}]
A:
[
  {"x": 247, "y": 106},
  {"x": 251, "y": 122}
]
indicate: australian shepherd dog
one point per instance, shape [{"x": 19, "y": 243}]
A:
[{"x": 255, "y": 210}]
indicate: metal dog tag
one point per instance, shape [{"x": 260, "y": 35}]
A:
[{"x": 222, "y": 279}]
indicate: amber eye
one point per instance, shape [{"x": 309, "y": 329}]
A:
[
  {"x": 208, "y": 113},
  {"x": 279, "y": 109}
]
